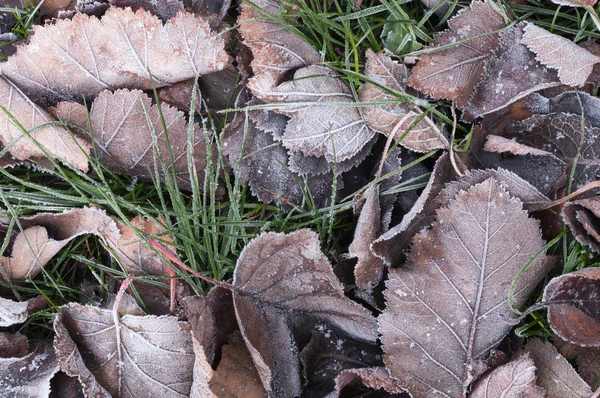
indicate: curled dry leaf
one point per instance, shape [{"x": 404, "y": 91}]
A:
[
  {"x": 582, "y": 217},
  {"x": 284, "y": 286},
  {"x": 574, "y": 306},
  {"x": 452, "y": 73},
  {"x": 276, "y": 50},
  {"x": 555, "y": 373},
  {"x": 373, "y": 378},
  {"x": 85, "y": 55},
  {"x": 164, "y": 9},
  {"x": 396, "y": 117},
  {"x": 43, "y": 235},
  {"x": 131, "y": 356},
  {"x": 54, "y": 140},
  {"x": 12, "y": 312},
  {"x": 586, "y": 359},
  {"x": 515, "y": 379},
  {"x": 324, "y": 123},
  {"x": 573, "y": 63},
  {"x": 443, "y": 314},
  {"x": 28, "y": 376}
]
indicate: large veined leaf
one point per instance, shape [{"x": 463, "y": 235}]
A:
[
  {"x": 515, "y": 379},
  {"x": 443, "y": 314},
  {"x": 125, "y": 49}
]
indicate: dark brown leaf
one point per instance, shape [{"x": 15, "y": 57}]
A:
[
  {"x": 586, "y": 359},
  {"x": 373, "y": 378},
  {"x": 444, "y": 311},
  {"x": 28, "y": 376},
  {"x": 284, "y": 287},
  {"x": 13, "y": 345},
  {"x": 582, "y": 217},
  {"x": 164, "y": 9}
]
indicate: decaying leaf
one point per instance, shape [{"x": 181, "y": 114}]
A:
[
  {"x": 130, "y": 356},
  {"x": 276, "y": 50},
  {"x": 575, "y": 3},
  {"x": 84, "y": 56},
  {"x": 43, "y": 235},
  {"x": 13, "y": 345},
  {"x": 373, "y": 378},
  {"x": 54, "y": 140},
  {"x": 574, "y": 306},
  {"x": 12, "y": 312},
  {"x": 515, "y": 379},
  {"x": 582, "y": 217},
  {"x": 284, "y": 286},
  {"x": 452, "y": 73},
  {"x": 164, "y": 9},
  {"x": 28, "y": 376},
  {"x": 444, "y": 310},
  {"x": 573, "y": 63},
  {"x": 203, "y": 372},
  {"x": 424, "y": 136},
  {"x": 586, "y": 359},
  {"x": 555, "y": 373}
]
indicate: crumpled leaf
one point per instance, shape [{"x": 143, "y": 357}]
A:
[
  {"x": 425, "y": 135},
  {"x": 57, "y": 141},
  {"x": 13, "y": 345},
  {"x": 573, "y": 63},
  {"x": 28, "y": 376},
  {"x": 284, "y": 286},
  {"x": 555, "y": 373},
  {"x": 582, "y": 217},
  {"x": 586, "y": 359},
  {"x": 376, "y": 378},
  {"x": 515, "y": 379},
  {"x": 452, "y": 73},
  {"x": 45, "y": 234},
  {"x": 328, "y": 125},
  {"x": 132, "y": 356},
  {"x": 276, "y": 50},
  {"x": 12, "y": 312},
  {"x": 85, "y": 55},
  {"x": 574, "y": 306},
  {"x": 444, "y": 311},
  {"x": 164, "y": 9}
]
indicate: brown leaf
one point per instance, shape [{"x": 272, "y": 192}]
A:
[
  {"x": 575, "y": 3},
  {"x": 452, "y": 73},
  {"x": 164, "y": 9},
  {"x": 55, "y": 140},
  {"x": 12, "y": 312},
  {"x": 373, "y": 378},
  {"x": 28, "y": 376},
  {"x": 203, "y": 372},
  {"x": 586, "y": 359},
  {"x": 555, "y": 373},
  {"x": 276, "y": 50},
  {"x": 573, "y": 63},
  {"x": 284, "y": 286},
  {"x": 425, "y": 135},
  {"x": 43, "y": 235},
  {"x": 574, "y": 306},
  {"x": 85, "y": 55},
  {"x": 582, "y": 217},
  {"x": 13, "y": 345},
  {"x": 330, "y": 127},
  {"x": 132, "y": 356},
  {"x": 515, "y": 379},
  {"x": 444, "y": 311}
]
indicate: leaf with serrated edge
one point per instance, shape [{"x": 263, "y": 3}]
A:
[
  {"x": 515, "y": 379},
  {"x": 574, "y": 63},
  {"x": 284, "y": 286},
  {"x": 56, "y": 140},
  {"x": 374, "y": 378},
  {"x": 444, "y": 310},
  {"x": 83, "y": 56}
]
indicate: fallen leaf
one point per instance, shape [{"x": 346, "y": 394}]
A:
[
  {"x": 582, "y": 218},
  {"x": 283, "y": 287},
  {"x": 574, "y": 306},
  {"x": 85, "y": 55},
  {"x": 276, "y": 50},
  {"x": 444, "y": 310},
  {"x": 12, "y": 312},
  {"x": 13, "y": 345},
  {"x": 555, "y": 373},
  {"x": 372, "y": 378},
  {"x": 131, "y": 356},
  {"x": 164, "y": 9},
  {"x": 586, "y": 359},
  {"x": 203, "y": 372},
  {"x": 45, "y": 234},
  {"x": 575, "y": 3},
  {"x": 28, "y": 376},
  {"x": 573, "y": 63},
  {"x": 453, "y": 72},
  {"x": 515, "y": 379},
  {"x": 54, "y": 140},
  {"x": 397, "y": 116}
]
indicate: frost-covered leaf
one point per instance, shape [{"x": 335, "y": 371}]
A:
[
  {"x": 324, "y": 123},
  {"x": 586, "y": 359},
  {"x": 131, "y": 356},
  {"x": 575, "y": 3},
  {"x": 84, "y": 56},
  {"x": 13, "y": 345},
  {"x": 164, "y": 9},
  {"x": 555, "y": 373},
  {"x": 425, "y": 135},
  {"x": 276, "y": 50},
  {"x": 582, "y": 217},
  {"x": 43, "y": 235},
  {"x": 372, "y": 378},
  {"x": 15, "y": 312},
  {"x": 515, "y": 379},
  {"x": 284, "y": 287},
  {"x": 574, "y": 306},
  {"x": 573, "y": 63},
  {"x": 443, "y": 314},
  {"x": 57, "y": 141},
  {"x": 452, "y": 73},
  {"x": 28, "y": 376}
]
